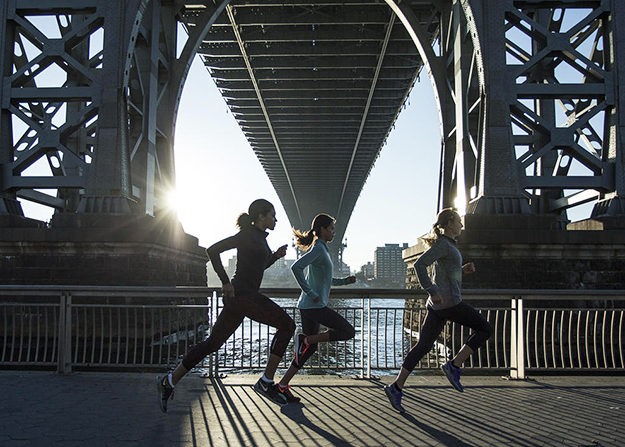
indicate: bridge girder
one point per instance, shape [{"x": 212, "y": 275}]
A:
[{"x": 528, "y": 95}]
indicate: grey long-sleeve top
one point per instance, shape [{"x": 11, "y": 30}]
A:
[{"x": 446, "y": 262}]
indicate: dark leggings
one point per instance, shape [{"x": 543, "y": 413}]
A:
[
  {"x": 312, "y": 319},
  {"x": 463, "y": 314},
  {"x": 256, "y": 307}
]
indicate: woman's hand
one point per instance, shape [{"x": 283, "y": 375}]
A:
[
  {"x": 468, "y": 268},
  {"x": 280, "y": 252},
  {"x": 227, "y": 290},
  {"x": 351, "y": 279},
  {"x": 437, "y": 299}
]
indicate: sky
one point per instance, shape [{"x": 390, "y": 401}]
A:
[{"x": 218, "y": 175}]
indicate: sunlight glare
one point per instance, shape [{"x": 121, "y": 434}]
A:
[{"x": 460, "y": 203}]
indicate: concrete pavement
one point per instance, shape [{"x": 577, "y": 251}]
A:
[{"x": 44, "y": 409}]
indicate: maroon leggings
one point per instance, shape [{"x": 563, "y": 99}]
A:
[{"x": 256, "y": 307}]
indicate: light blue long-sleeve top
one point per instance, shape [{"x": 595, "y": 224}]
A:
[{"x": 319, "y": 279}]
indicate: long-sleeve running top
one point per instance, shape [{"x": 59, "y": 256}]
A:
[
  {"x": 319, "y": 279},
  {"x": 253, "y": 257},
  {"x": 446, "y": 262}
]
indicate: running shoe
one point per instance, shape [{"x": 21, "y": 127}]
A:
[
  {"x": 165, "y": 392},
  {"x": 453, "y": 375},
  {"x": 286, "y": 392},
  {"x": 270, "y": 391},
  {"x": 394, "y": 397},
  {"x": 300, "y": 347}
]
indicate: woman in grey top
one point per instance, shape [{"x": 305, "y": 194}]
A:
[{"x": 444, "y": 303}]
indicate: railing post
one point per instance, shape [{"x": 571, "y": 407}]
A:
[
  {"x": 212, "y": 359},
  {"x": 64, "y": 365},
  {"x": 362, "y": 337},
  {"x": 209, "y": 314},
  {"x": 517, "y": 337},
  {"x": 368, "y": 337}
]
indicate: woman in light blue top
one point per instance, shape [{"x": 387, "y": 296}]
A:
[{"x": 313, "y": 301}]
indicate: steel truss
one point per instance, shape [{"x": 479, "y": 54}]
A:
[{"x": 89, "y": 104}]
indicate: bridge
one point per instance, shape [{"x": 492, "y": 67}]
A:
[{"x": 527, "y": 91}]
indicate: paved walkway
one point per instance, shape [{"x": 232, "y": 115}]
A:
[{"x": 120, "y": 409}]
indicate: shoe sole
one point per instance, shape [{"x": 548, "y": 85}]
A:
[
  {"x": 450, "y": 377},
  {"x": 159, "y": 390},
  {"x": 391, "y": 398},
  {"x": 295, "y": 400},
  {"x": 266, "y": 396}
]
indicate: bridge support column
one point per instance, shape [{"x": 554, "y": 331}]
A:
[{"x": 111, "y": 160}]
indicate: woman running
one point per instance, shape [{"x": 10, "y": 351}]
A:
[
  {"x": 313, "y": 301},
  {"x": 241, "y": 299},
  {"x": 444, "y": 303}
]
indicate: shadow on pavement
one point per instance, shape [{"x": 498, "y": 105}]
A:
[{"x": 296, "y": 414}]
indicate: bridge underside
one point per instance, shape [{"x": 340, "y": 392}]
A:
[{"x": 316, "y": 88}]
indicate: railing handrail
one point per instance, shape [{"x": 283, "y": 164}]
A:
[{"x": 337, "y": 293}]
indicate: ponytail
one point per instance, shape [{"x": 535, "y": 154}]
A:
[
  {"x": 443, "y": 218},
  {"x": 305, "y": 240},
  {"x": 244, "y": 221}
]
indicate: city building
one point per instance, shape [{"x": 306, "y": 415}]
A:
[
  {"x": 367, "y": 271},
  {"x": 389, "y": 264}
]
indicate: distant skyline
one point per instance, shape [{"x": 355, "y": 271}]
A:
[{"x": 218, "y": 175}]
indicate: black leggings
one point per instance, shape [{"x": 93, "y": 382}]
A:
[
  {"x": 463, "y": 314},
  {"x": 312, "y": 319},
  {"x": 256, "y": 307}
]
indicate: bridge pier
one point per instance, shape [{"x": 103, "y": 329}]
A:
[{"x": 101, "y": 249}]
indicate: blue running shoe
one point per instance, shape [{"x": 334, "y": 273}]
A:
[
  {"x": 394, "y": 397},
  {"x": 453, "y": 375}
]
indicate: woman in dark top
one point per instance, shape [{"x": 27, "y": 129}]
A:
[
  {"x": 444, "y": 303},
  {"x": 241, "y": 299}
]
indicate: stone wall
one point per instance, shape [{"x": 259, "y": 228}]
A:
[{"x": 121, "y": 252}]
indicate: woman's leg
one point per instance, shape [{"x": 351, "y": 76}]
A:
[
  {"x": 309, "y": 327},
  {"x": 467, "y": 315},
  {"x": 227, "y": 322},
  {"x": 432, "y": 327},
  {"x": 338, "y": 327},
  {"x": 260, "y": 308}
]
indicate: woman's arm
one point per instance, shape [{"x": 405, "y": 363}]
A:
[
  {"x": 279, "y": 253},
  {"x": 343, "y": 281},
  {"x": 428, "y": 258},
  {"x": 298, "y": 270},
  {"x": 215, "y": 250}
]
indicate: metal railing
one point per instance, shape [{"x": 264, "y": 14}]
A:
[{"x": 66, "y": 327}]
